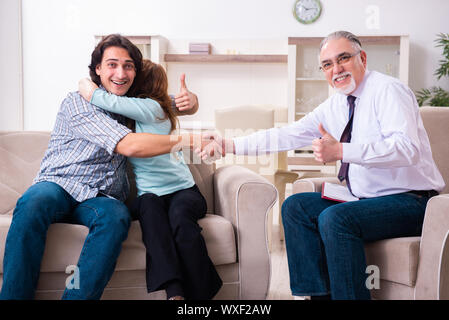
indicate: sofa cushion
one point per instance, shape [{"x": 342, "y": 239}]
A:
[
  {"x": 21, "y": 155},
  {"x": 217, "y": 232},
  {"x": 203, "y": 174},
  {"x": 396, "y": 258},
  {"x": 65, "y": 241}
]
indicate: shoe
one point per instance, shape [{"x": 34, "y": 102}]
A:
[
  {"x": 176, "y": 298},
  {"x": 301, "y": 297}
]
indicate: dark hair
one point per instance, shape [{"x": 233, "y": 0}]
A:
[
  {"x": 153, "y": 83},
  {"x": 115, "y": 40}
]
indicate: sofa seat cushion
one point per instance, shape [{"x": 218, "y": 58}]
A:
[
  {"x": 217, "y": 232},
  {"x": 396, "y": 258},
  {"x": 65, "y": 241}
]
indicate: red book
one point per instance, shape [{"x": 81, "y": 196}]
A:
[{"x": 336, "y": 192}]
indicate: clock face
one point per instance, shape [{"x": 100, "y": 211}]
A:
[{"x": 307, "y": 11}]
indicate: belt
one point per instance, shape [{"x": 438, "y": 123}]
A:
[{"x": 425, "y": 193}]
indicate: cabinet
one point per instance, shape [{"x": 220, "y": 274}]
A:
[{"x": 307, "y": 87}]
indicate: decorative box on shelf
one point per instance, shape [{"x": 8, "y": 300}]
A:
[{"x": 199, "y": 48}]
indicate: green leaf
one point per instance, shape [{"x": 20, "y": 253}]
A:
[
  {"x": 443, "y": 41},
  {"x": 435, "y": 96}
]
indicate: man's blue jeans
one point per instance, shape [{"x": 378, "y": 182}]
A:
[
  {"x": 45, "y": 203},
  {"x": 325, "y": 239}
]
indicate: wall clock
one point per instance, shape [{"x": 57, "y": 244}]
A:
[{"x": 307, "y": 11}]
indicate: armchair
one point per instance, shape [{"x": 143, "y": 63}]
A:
[
  {"x": 413, "y": 267},
  {"x": 244, "y": 120}
]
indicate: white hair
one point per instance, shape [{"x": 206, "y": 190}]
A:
[{"x": 343, "y": 34}]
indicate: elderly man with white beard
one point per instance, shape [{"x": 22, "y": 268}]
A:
[{"x": 373, "y": 126}]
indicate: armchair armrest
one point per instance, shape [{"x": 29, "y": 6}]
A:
[
  {"x": 286, "y": 175},
  {"x": 245, "y": 198},
  {"x": 312, "y": 184},
  {"x": 431, "y": 252}
]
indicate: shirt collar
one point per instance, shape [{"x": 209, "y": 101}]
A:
[{"x": 358, "y": 92}]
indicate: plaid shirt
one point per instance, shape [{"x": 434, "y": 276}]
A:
[{"x": 80, "y": 155}]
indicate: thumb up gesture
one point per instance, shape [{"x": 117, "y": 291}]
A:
[
  {"x": 326, "y": 148},
  {"x": 185, "y": 100}
]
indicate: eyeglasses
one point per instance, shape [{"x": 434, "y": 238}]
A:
[{"x": 341, "y": 59}]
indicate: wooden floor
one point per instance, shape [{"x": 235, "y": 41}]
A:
[{"x": 280, "y": 281}]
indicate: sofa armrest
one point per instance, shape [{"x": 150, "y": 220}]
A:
[
  {"x": 312, "y": 184},
  {"x": 245, "y": 198},
  {"x": 434, "y": 233}
]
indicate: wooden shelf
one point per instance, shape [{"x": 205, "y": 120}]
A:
[{"x": 226, "y": 58}]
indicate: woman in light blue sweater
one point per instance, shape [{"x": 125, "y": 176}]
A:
[{"x": 169, "y": 203}]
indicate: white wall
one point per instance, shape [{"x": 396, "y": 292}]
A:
[
  {"x": 11, "y": 117},
  {"x": 221, "y": 85},
  {"x": 58, "y": 38}
]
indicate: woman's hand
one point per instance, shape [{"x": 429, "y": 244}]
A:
[
  {"x": 86, "y": 88},
  {"x": 213, "y": 146},
  {"x": 186, "y": 101}
]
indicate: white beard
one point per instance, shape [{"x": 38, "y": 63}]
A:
[{"x": 348, "y": 88}]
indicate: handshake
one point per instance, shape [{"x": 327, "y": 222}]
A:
[{"x": 212, "y": 146}]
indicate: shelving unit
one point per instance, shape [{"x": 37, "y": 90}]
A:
[
  {"x": 226, "y": 58},
  {"x": 251, "y": 71},
  {"x": 307, "y": 87}
]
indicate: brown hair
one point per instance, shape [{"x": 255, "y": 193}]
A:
[
  {"x": 153, "y": 83},
  {"x": 115, "y": 40}
]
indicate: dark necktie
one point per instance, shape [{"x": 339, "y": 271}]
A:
[{"x": 346, "y": 137}]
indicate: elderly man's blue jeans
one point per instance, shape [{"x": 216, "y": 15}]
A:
[
  {"x": 45, "y": 203},
  {"x": 325, "y": 239}
]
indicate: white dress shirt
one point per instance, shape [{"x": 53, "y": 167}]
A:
[{"x": 389, "y": 150}]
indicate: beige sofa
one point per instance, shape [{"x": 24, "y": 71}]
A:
[
  {"x": 234, "y": 228},
  {"x": 413, "y": 267}
]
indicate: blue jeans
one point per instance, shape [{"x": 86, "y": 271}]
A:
[
  {"x": 45, "y": 203},
  {"x": 325, "y": 239}
]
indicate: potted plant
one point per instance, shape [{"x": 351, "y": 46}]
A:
[{"x": 437, "y": 96}]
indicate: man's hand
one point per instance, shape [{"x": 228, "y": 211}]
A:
[
  {"x": 86, "y": 88},
  {"x": 326, "y": 148},
  {"x": 214, "y": 146},
  {"x": 186, "y": 101},
  {"x": 211, "y": 146},
  {"x": 210, "y": 151}
]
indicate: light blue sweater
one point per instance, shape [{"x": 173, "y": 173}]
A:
[{"x": 162, "y": 174}]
